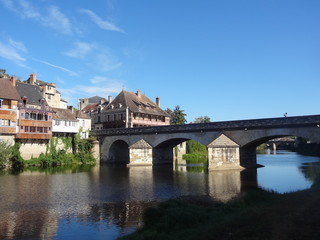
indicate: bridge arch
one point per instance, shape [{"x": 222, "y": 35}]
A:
[
  {"x": 163, "y": 152},
  {"x": 115, "y": 151}
]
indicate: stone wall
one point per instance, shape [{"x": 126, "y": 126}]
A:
[{"x": 32, "y": 148}]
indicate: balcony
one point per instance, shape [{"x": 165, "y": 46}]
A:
[
  {"x": 8, "y": 130},
  {"x": 32, "y": 135},
  {"x": 8, "y": 114}
]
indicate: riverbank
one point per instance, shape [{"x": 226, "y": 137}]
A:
[{"x": 254, "y": 215}]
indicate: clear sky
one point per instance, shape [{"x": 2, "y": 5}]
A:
[{"x": 226, "y": 59}]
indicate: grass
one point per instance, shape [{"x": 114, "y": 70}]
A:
[{"x": 255, "y": 215}]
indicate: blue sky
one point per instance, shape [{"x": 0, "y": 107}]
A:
[{"x": 226, "y": 59}]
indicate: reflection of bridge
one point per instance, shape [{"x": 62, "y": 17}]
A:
[{"x": 231, "y": 144}]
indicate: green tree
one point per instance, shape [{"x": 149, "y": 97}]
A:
[
  {"x": 202, "y": 119},
  {"x": 3, "y": 73},
  {"x": 177, "y": 115},
  {"x": 5, "y": 153}
]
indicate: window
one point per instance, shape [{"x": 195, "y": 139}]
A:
[
  {"x": 5, "y": 122},
  {"x": 26, "y": 116},
  {"x": 33, "y": 116},
  {"x": 49, "y": 97},
  {"x": 26, "y": 129},
  {"x": 1, "y": 100},
  {"x": 46, "y": 117},
  {"x": 40, "y": 116}
]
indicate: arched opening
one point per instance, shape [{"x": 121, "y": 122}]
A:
[
  {"x": 119, "y": 152},
  {"x": 165, "y": 152},
  {"x": 270, "y": 144}
]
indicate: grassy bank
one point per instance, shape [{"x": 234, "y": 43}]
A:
[{"x": 255, "y": 215}]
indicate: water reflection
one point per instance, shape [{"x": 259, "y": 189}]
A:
[{"x": 108, "y": 201}]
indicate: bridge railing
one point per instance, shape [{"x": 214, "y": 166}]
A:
[{"x": 297, "y": 121}]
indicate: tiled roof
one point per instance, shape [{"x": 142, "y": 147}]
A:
[
  {"x": 32, "y": 92},
  {"x": 81, "y": 114},
  {"x": 63, "y": 114},
  {"x": 90, "y": 108},
  {"x": 7, "y": 90},
  {"x": 136, "y": 104}
]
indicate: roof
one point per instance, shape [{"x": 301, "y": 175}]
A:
[
  {"x": 90, "y": 108},
  {"x": 81, "y": 114},
  {"x": 32, "y": 92},
  {"x": 63, "y": 114},
  {"x": 7, "y": 90},
  {"x": 135, "y": 104},
  {"x": 96, "y": 99}
]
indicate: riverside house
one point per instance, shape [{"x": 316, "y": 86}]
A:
[
  {"x": 9, "y": 98},
  {"x": 35, "y": 121}
]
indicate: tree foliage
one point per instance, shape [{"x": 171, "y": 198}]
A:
[
  {"x": 202, "y": 119},
  {"x": 3, "y": 73},
  {"x": 5, "y": 153},
  {"x": 177, "y": 115}
]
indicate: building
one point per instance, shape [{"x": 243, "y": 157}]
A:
[
  {"x": 130, "y": 110},
  {"x": 84, "y": 124},
  {"x": 88, "y": 104},
  {"x": 49, "y": 92},
  {"x": 9, "y": 98},
  {"x": 65, "y": 123},
  {"x": 35, "y": 117}
]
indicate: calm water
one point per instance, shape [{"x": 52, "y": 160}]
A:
[{"x": 107, "y": 201}]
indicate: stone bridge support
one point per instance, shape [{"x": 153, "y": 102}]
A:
[
  {"x": 140, "y": 153},
  {"x": 223, "y": 153}
]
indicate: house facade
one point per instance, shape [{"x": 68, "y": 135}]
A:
[
  {"x": 65, "y": 123},
  {"x": 129, "y": 110},
  {"x": 9, "y": 98},
  {"x": 34, "y": 121}
]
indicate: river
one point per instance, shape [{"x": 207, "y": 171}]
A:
[{"x": 105, "y": 202}]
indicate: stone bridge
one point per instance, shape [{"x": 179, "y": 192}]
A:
[{"x": 230, "y": 144}]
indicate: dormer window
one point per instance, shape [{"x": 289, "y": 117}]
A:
[
  {"x": 24, "y": 100},
  {"x": 120, "y": 105}
]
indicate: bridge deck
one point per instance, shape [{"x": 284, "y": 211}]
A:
[{"x": 297, "y": 121}]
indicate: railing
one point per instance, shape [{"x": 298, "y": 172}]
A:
[{"x": 311, "y": 120}]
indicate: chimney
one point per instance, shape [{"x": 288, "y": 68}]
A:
[
  {"x": 109, "y": 99},
  {"x": 71, "y": 108},
  {"x": 13, "y": 81},
  {"x": 158, "y": 101},
  {"x": 32, "y": 79},
  {"x": 139, "y": 93}
]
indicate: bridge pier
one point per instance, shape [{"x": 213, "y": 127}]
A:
[
  {"x": 223, "y": 153},
  {"x": 248, "y": 156},
  {"x": 140, "y": 153}
]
